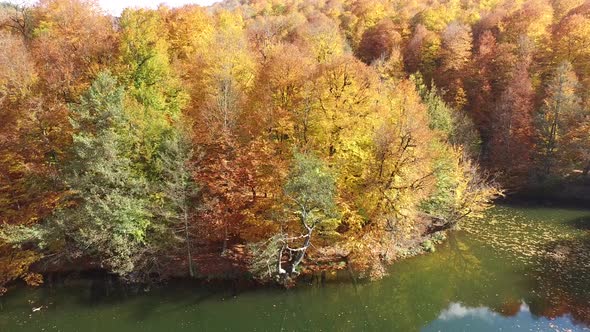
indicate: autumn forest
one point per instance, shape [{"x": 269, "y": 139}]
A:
[{"x": 271, "y": 139}]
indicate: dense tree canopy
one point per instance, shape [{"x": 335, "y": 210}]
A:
[{"x": 276, "y": 135}]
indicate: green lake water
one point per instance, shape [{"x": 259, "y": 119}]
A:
[{"x": 519, "y": 269}]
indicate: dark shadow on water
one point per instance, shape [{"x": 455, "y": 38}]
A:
[
  {"x": 562, "y": 285},
  {"x": 187, "y": 294},
  {"x": 582, "y": 223},
  {"x": 103, "y": 290}
]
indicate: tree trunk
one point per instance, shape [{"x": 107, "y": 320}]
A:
[
  {"x": 191, "y": 270},
  {"x": 225, "y": 240},
  {"x": 301, "y": 252}
]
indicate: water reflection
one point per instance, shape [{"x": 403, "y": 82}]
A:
[
  {"x": 458, "y": 311},
  {"x": 458, "y": 317},
  {"x": 564, "y": 280},
  {"x": 522, "y": 270}
]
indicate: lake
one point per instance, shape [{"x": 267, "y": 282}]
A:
[{"x": 519, "y": 269}]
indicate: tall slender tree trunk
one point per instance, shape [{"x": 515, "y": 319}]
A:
[
  {"x": 189, "y": 254},
  {"x": 552, "y": 142}
]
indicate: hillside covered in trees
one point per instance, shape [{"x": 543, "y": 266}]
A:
[{"x": 277, "y": 136}]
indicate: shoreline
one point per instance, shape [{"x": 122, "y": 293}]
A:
[
  {"x": 573, "y": 193},
  {"x": 229, "y": 270}
]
